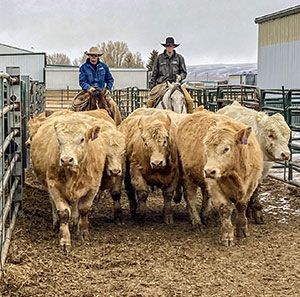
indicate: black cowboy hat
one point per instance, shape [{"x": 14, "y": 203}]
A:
[{"x": 170, "y": 41}]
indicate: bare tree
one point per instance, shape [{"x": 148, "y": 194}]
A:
[
  {"x": 117, "y": 55},
  {"x": 79, "y": 61},
  {"x": 58, "y": 59}
]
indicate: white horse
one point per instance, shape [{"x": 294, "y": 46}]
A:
[{"x": 169, "y": 96}]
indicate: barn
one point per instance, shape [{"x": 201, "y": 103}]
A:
[
  {"x": 30, "y": 63},
  {"x": 278, "y": 49}
]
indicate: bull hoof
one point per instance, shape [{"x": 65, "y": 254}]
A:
[
  {"x": 242, "y": 233},
  {"x": 118, "y": 218},
  {"x": 73, "y": 226},
  {"x": 227, "y": 242},
  {"x": 169, "y": 220},
  {"x": 85, "y": 235},
  {"x": 197, "y": 227},
  {"x": 141, "y": 217},
  {"x": 65, "y": 246},
  {"x": 259, "y": 219}
]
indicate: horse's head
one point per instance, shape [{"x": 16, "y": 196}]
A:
[
  {"x": 174, "y": 98},
  {"x": 96, "y": 100}
]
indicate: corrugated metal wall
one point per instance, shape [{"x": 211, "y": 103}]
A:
[
  {"x": 279, "y": 53},
  {"x": 62, "y": 78},
  {"x": 30, "y": 64}
]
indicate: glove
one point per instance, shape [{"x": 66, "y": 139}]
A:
[
  {"x": 91, "y": 89},
  {"x": 178, "y": 78}
]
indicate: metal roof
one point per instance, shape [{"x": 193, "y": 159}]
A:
[
  {"x": 278, "y": 14},
  {"x": 16, "y": 48}
]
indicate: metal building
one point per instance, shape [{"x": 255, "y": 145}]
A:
[
  {"x": 279, "y": 49},
  {"x": 30, "y": 63},
  {"x": 61, "y": 77}
]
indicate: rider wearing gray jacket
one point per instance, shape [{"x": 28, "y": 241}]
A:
[{"x": 168, "y": 66}]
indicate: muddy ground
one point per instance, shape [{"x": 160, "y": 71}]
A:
[{"x": 153, "y": 259}]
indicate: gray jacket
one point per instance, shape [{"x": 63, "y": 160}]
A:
[{"x": 165, "y": 68}]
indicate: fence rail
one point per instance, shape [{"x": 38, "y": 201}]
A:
[{"x": 19, "y": 99}]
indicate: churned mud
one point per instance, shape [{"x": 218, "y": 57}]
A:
[{"x": 153, "y": 259}]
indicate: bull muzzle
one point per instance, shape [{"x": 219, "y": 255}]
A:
[
  {"x": 285, "y": 156},
  {"x": 157, "y": 164},
  {"x": 114, "y": 172},
  {"x": 211, "y": 172},
  {"x": 67, "y": 161}
]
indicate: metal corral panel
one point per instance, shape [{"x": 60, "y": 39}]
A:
[
  {"x": 278, "y": 49},
  {"x": 63, "y": 77},
  {"x": 32, "y": 64}
]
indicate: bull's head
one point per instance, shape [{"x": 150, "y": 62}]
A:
[
  {"x": 220, "y": 145},
  {"x": 275, "y": 136},
  {"x": 115, "y": 155},
  {"x": 155, "y": 137},
  {"x": 72, "y": 138}
]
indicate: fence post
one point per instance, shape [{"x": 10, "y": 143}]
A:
[{"x": 15, "y": 118}]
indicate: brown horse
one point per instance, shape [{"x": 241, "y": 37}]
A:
[{"x": 97, "y": 99}]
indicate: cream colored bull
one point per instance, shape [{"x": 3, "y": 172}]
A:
[
  {"x": 68, "y": 157},
  {"x": 152, "y": 159},
  {"x": 224, "y": 158},
  {"x": 273, "y": 135}
]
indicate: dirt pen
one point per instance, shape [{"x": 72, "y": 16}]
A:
[{"x": 154, "y": 259}]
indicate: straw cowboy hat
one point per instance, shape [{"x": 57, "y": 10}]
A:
[
  {"x": 94, "y": 50},
  {"x": 170, "y": 42}
]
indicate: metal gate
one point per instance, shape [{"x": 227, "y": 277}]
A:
[{"x": 19, "y": 99}]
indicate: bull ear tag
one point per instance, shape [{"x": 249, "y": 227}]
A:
[
  {"x": 244, "y": 141},
  {"x": 140, "y": 126}
]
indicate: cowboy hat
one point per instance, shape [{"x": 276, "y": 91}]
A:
[
  {"x": 170, "y": 41},
  {"x": 94, "y": 50}
]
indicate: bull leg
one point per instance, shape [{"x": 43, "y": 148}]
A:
[
  {"x": 255, "y": 207},
  {"x": 178, "y": 192},
  {"x": 84, "y": 205},
  {"x": 225, "y": 209},
  {"x": 130, "y": 192},
  {"x": 190, "y": 195},
  {"x": 205, "y": 205},
  {"x": 64, "y": 213},
  {"x": 55, "y": 218},
  {"x": 241, "y": 220},
  {"x": 141, "y": 188},
  {"x": 168, "y": 213},
  {"x": 74, "y": 217},
  {"x": 116, "y": 196}
]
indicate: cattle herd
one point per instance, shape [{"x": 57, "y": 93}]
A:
[{"x": 75, "y": 155}]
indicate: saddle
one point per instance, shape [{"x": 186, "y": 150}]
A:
[{"x": 86, "y": 100}]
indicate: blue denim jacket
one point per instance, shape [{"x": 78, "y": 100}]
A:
[{"x": 89, "y": 77}]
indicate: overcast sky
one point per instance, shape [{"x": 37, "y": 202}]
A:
[{"x": 210, "y": 31}]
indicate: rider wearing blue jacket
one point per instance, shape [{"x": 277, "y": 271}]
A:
[{"x": 94, "y": 73}]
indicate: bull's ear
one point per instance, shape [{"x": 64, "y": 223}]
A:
[
  {"x": 93, "y": 132},
  {"x": 242, "y": 135}
]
